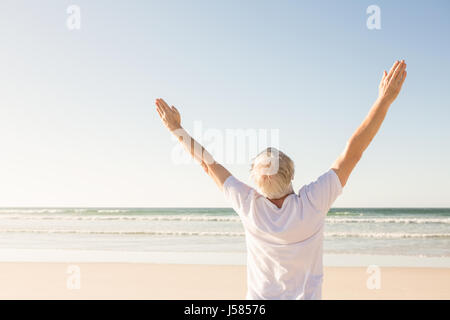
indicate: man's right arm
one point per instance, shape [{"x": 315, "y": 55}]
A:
[
  {"x": 389, "y": 89},
  {"x": 172, "y": 120}
]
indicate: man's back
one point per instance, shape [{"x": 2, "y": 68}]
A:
[{"x": 284, "y": 245}]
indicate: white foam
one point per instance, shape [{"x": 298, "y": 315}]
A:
[
  {"x": 126, "y": 232},
  {"x": 389, "y": 220},
  {"x": 385, "y": 235},
  {"x": 200, "y": 218},
  {"x": 379, "y": 235},
  {"x": 120, "y": 218}
]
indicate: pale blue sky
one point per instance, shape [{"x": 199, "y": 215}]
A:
[{"x": 77, "y": 120}]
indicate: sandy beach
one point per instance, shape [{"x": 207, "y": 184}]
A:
[{"x": 172, "y": 281}]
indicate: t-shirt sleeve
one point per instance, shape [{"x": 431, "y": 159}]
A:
[
  {"x": 238, "y": 194},
  {"x": 322, "y": 193}
]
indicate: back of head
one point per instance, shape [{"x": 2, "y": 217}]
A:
[{"x": 273, "y": 171}]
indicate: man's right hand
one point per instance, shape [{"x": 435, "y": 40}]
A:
[
  {"x": 170, "y": 116},
  {"x": 392, "y": 82}
]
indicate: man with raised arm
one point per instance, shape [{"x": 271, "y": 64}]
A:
[{"x": 284, "y": 229}]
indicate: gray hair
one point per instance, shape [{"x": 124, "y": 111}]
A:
[{"x": 272, "y": 171}]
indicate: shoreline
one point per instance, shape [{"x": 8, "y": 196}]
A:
[
  {"x": 32, "y": 280},
  {"x": 206, "y": 258}
]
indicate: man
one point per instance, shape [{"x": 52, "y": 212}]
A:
[{"x": 284, "y": 230}]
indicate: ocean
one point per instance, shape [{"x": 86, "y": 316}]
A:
[{"x": 400, "y": 232}]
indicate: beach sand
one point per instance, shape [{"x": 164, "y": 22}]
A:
[{"x": 158, "y": 281}]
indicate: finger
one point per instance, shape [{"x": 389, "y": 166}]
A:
[
  {"x": 391, "y": 72},
  {"x": 401, "y": 67},
  {"x": 402, "y": 74},
  {"x": 161, "y": 106},
  {"x": 383, "y": 78},
  {"x": 159, "y": 112},
  {"x": 157, "y": 104},
  {"x": 161, "y": 115},
  {"x": 164, "y": 105},
  {"x": 399, "y": 71},
  {"x": 403, "y": 77}
]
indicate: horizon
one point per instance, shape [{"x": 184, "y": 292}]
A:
[{"x": 52, "y": 207}]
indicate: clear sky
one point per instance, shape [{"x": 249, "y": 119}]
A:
[{"x": 77, "y": 119}]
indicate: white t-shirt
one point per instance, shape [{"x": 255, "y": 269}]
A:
[{"x": 284, "y": 245}]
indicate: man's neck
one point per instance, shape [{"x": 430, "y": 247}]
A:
[{"x": 279, "y": 202}]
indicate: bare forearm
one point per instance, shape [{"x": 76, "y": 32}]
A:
[
  {"x": 195, "y": 149},
  {"x": 172, "y": 120},
  {"x": 365, "y": 133},
  {"x": 215, "y": 170}
]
